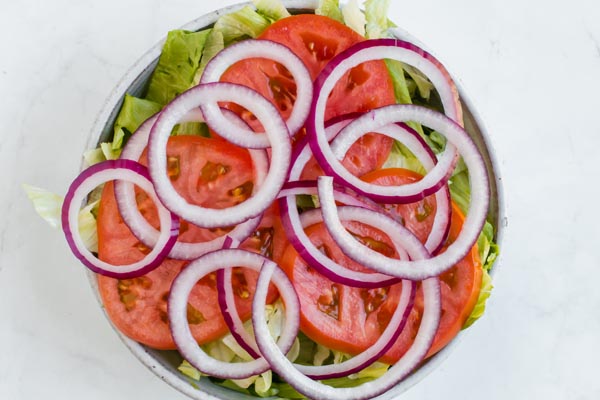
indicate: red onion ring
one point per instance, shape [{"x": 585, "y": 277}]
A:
[
  {"x": 230, "y": 314},
  {"x": 177, "y": 311},
  {"x": 260, "y": 49},
  {"x": 87, "y": 181},
  {"x": 276, "y": 131},
  {"x": 139, "y": 226},
  {"x": 375, "y": 50},
  {"x": 479, "y": 196},
  {"x": 415, "y": 143},
  {"x": 316, "y": 390}
]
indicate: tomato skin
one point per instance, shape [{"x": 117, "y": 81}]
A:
[
  {"x": 138, "y": 307},
  {"x": 355, "y": 329},
  {"x": 316, "y": 40}
]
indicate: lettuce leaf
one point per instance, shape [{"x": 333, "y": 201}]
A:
[
  {"x": 331, "y": 9},
  {"x": 214, "y": 44},
  {"x": 48, "y": 205},
  {"x": 354, "y": 17},
  {"x": 177, "y": 65},
  {"x": 134, "y": 112},
  {"x": 227, "y": 349},
  {"x": 271, "y": 9},
  {"x": 241, "y": 24},
  {"x": 376, "y": 12}
]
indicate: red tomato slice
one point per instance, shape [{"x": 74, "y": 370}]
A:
[
  {"x": 316, "y": 40},
  {"x": 209, "y": 172},
  {"x": 351, "y": 319}
]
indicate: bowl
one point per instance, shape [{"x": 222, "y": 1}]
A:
[{"x": 164, "y": 363}]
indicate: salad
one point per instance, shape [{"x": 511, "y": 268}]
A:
[{"x": 294, "y": 205}]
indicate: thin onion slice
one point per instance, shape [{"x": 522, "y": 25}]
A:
[
  {"x": 87, "y": 181},
  {"x": 276, "y": 131},
  {"x": 324, "y": 84},
  {"x": 139, "y": 226},
  {"x": 316, "y": 390},
  {"x": 475, "y": 218},
  {"x": 415, "y": 143},
  {"x": 177, "y": 311},
  {"x": 260, "y": 49}
]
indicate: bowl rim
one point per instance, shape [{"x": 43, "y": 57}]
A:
[{"x": 104, "y": 122}]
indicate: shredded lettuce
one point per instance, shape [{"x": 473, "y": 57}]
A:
[
  {"x": 271, "y": 9},
  {"x": 227, "y": 349},
  {"x": 331, "y": 9},
  {"x": 48, "y": 205},
  {"x": 354, "y": 18},
  {"x": 177, "y": 65},
  {"x": 241, "y": 24},
  {"x": 376, "y": 12}
]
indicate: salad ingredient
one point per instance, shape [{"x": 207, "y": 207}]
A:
[
  {"x": 181, "y": 289},
  {"x": 384, "y": 342},
  {"x": 316, "y": 40},
  {"x": 319, "y": 260},
  {"x": 218, "y": 164},
  {"x": 315, "y": 389},
  {"x": 479, "y": 188},
  {"x": 262, "y": 197},
  {"x": 138, "y": 307},
  {"x": 230, "y": 315},
  {"x": 459, "y": 289},
  {"x": 365, "y": 51},
  {"x": 88, "y": 181},
  {"x": 276, "y": 52},
  {"x": 176, "y": 66},
  {"x": 331, "y": 9},
  {"x": 48, "y": 205},
  {"x": 441, "y": 211}
]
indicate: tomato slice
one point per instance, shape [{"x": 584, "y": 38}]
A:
[
  {"x": 351, "y": 319},
  {"x": 208, "y": 172},
  {"x": 316, "y": 40}
]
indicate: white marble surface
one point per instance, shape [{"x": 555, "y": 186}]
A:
[{"x": 533, "y": 69}]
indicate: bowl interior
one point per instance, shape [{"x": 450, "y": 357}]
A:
[{"x": 164, "y": 363}]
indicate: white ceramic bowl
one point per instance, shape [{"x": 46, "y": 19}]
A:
[{"x": 164, "y": 363}]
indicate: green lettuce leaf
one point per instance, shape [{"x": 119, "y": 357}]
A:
[
  {"x": 484, "y": 294},
  {"x": 331, "y": 9},
  {"x": 177, "y": 65},
  {"x": 376, "y": 12},
  {"x": 271, "y": 9},
  {"x": 424, "y": 86},
  {"x": 94, "y": 156},
  {"x": 134, "y": 112},
  {"x": 241, "y": 24},
  {"x": 214, "y": 44}
]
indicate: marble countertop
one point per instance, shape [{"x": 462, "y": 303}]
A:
[{"x": 533, "y": 70}]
